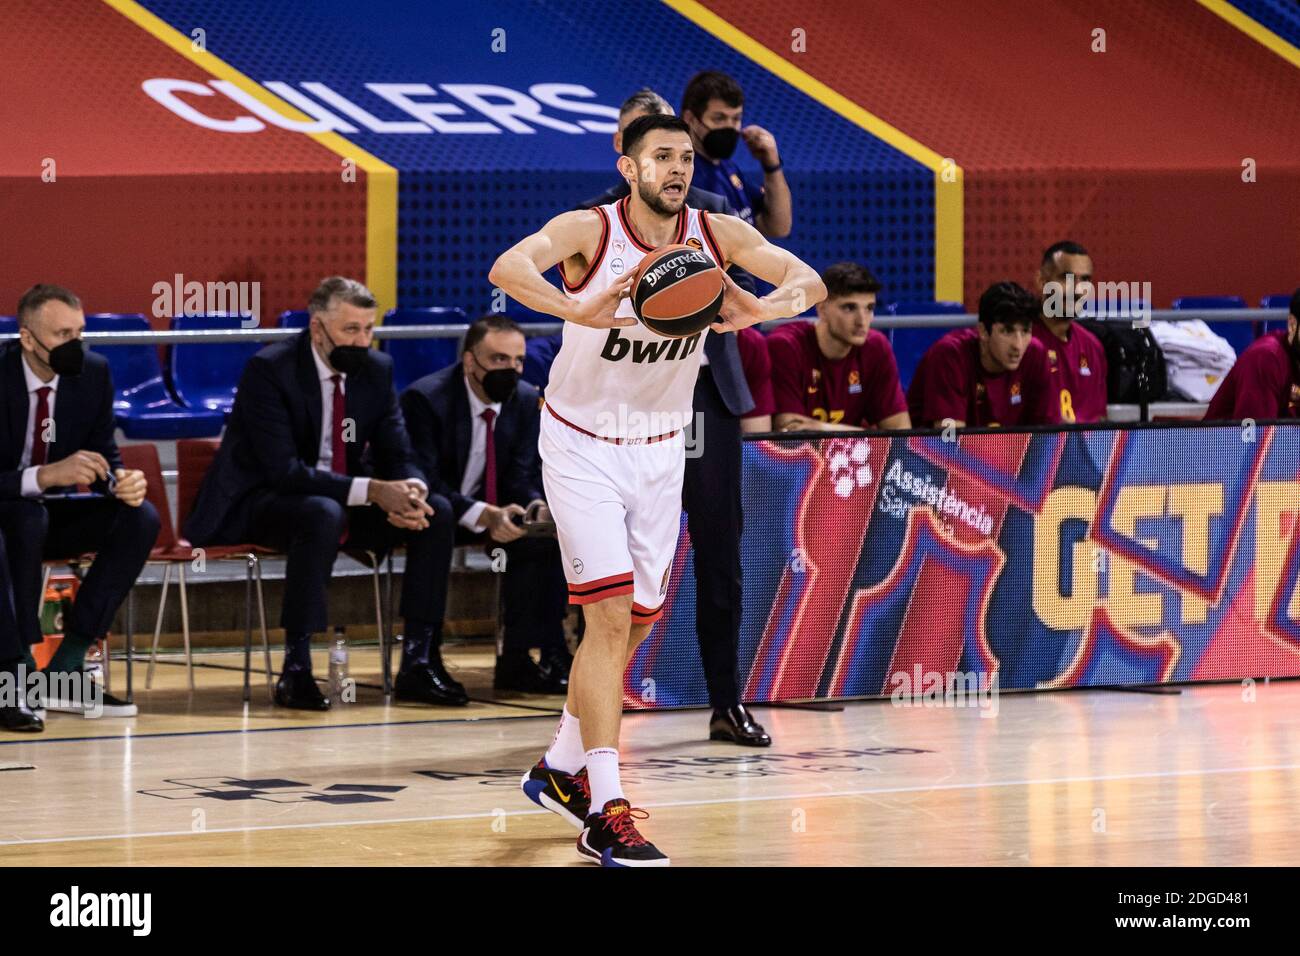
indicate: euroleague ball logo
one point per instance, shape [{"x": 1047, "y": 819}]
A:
[{"x": 676, "y": 265}]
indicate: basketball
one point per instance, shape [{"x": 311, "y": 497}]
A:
[{"x": 677, "y": 291}]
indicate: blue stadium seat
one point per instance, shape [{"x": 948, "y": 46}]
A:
[
  {"x": 539, "y": 356},
  {"x": 910, "y": 344},
  {"x": 416, "y": 358},
  {"x": 294, "y": 319},
  {"x": 206, "y": 375},
  {"x": 1238, "y": 334},
  {"x": 143, "y": 406},
  {"x": 1281, "y": 301}
]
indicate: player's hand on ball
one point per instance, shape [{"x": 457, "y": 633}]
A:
[
  {"x": 740, "y": 309},
  {"x": 598, "y": 311},
  {"x": 500, "y": 523},
  {"x": 131, "y": 486}
]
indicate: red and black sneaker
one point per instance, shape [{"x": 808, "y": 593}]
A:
[
  {"x": 567, "y": 795},
  {"x": 610, "y": 838}
]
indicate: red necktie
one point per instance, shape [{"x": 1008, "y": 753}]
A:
[
  {"x": 490, "y": 470},
  {"x": 339, "y": 462},
  {"x": 38, "y": 427}
]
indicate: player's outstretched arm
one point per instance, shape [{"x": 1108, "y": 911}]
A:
[
  {"x": 518, "y": 271},
  {"x": 798, "y": 287}
]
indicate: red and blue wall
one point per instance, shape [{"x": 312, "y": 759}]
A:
[
  {"x": 1092, "y": 557},
  {"x": 945, "y": 144}
]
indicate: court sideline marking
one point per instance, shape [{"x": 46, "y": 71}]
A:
[{"x": 820, "y": 795}]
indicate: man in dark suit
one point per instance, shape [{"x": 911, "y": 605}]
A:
[
  {"x": 474, "y": 428},
  {"x": 711, "y": 487},
  {"x": 56, "y": 433},
  {"x": 314, "y": 439}
]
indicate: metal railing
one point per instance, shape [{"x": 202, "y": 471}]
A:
[{"x": 383, "y": 332}]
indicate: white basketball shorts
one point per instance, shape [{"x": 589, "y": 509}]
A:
[{"x": 617, "y": 511}]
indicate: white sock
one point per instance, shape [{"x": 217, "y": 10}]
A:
[
  {"x": 602, "y": 772},
  {"x": 566, "y": 753}
]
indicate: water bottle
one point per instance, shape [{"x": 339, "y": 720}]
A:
[{"x": 338, "y": 666}]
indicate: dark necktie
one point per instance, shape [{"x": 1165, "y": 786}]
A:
[
  {"x": 339, "y": 462},
  {"x": 490, "y": 469},
  {"x": 38, "y": 427}
]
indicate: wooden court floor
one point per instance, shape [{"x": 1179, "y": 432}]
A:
[{"x": 1077, "y": 778}]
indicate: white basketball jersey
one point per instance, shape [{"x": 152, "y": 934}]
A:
[{"x": 626, "y": 383}]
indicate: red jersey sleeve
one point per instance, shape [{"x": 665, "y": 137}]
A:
[
  {"x": 1042, "y": 406},
  {"x": 881, "y": 371},
  {"x": 786, "y": 361},
  {"x": 1259, "y": 383},
  {"x": 946, "y": 384},
  {"x": 758, "y": 371}
]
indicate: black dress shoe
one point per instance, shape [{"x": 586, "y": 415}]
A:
[
  {"x": 439, "y": 671},
  {"x": 556, "y": 664},
  {"x": 20, "y": 719},
  {"x": 520, "y": 673},
  {"x": 297, "y": 689},
  {"x": 422, "y": 685},
  {"x": 736, "y": 725}
]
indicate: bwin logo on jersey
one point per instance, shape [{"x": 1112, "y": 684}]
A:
[{"x": 618, "y": 348}]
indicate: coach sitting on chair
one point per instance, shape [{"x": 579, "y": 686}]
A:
[
  {"x": 474, "y": 428},
  {"x": 56, "y": 432},
  {"x": 314, "y": 439}
]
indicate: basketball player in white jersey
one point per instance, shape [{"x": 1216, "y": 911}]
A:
[{"x": 612, "y": 446}]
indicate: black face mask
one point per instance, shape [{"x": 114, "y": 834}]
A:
[
  {"x": 720, "y": 143},
  {"x": 348, "y": 359},
  {"x": 66, "y": 359},
  {"x": 499, "y": 383}
]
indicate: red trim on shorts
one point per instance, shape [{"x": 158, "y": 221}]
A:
[
  {"x": 590, "y": 592},
  {"x": 645, "y": 615},
  {"x": 595, "y": 262},
  {"x": 612, "y": 441}
]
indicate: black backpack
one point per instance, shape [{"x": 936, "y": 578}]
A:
[{"x": 1137, "y": 372}]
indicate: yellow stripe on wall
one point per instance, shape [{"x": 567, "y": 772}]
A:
[
  {"x": 949, "y": 208},
  {"x": 381, "y": 178},
  {"x": 1253, "y": 29}
]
